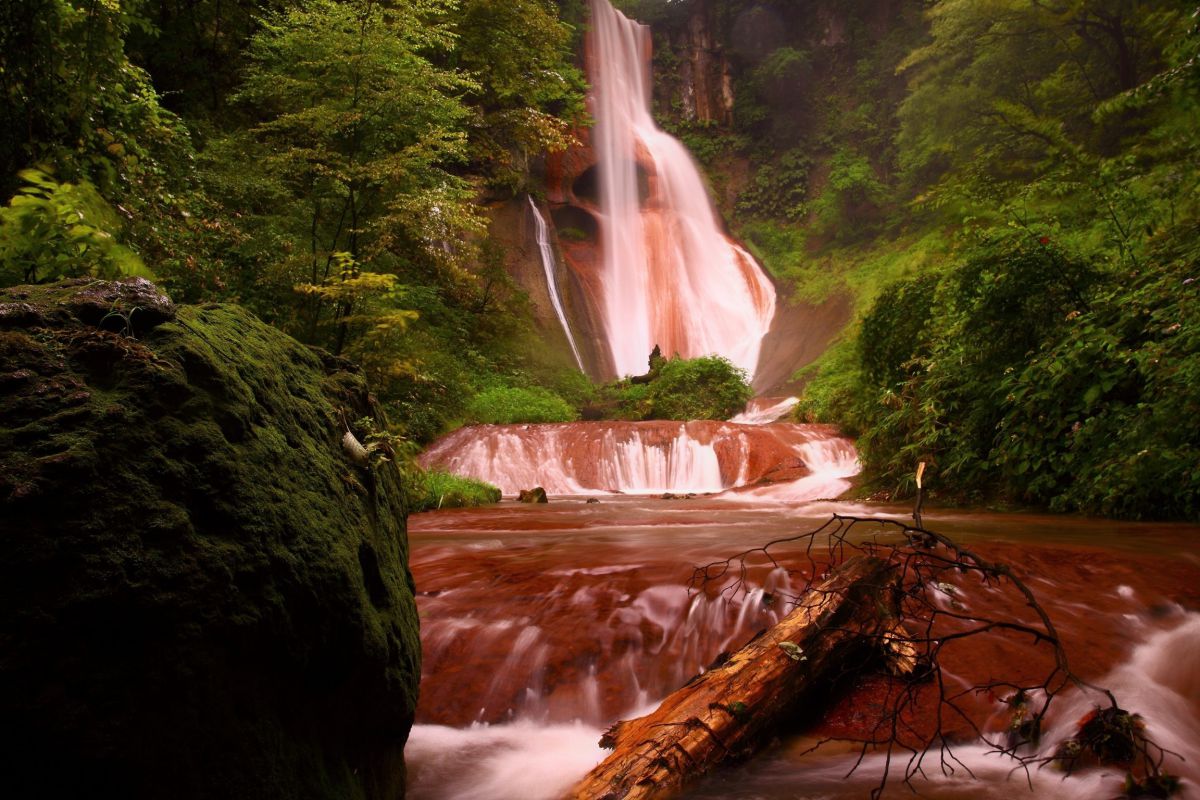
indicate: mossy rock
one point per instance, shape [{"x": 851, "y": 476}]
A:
[{"x": 201, "y": 594}]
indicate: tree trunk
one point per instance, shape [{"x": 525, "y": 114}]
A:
[{"x": 727, "y": 713}]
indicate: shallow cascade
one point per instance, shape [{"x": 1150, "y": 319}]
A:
[
  {"x": 670, "y": 277},
  {"x": 779, "y": 460},
  {"x": 542, "y": 625}
]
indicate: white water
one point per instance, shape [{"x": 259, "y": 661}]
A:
[
  {"x": 671, "y": 276},
  {"x": 549, "y": 266},
  {"x": 833, "y": 463},
  {"x": 650, "y": 458},
  {"x": 533, "y": 761},
  {"x": 761, "y": 411}
]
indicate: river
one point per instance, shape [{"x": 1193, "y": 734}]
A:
[{"x": 543, "y": 624}]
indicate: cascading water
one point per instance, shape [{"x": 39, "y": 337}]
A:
[
  {"x": 671, "y": 276},
  {"x": 550, "y": 267},
  {"x": 800, "y": 462},
  {"x": 543, "y": 624},
  {"x": 764, "y": 410}
]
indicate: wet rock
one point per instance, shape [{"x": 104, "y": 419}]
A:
[
  {"x": 535, "y": 495},
  {"x": 592, "y": 500},
  {"x": 132, "y": 305},
  {"x": 200, "y": 596}
]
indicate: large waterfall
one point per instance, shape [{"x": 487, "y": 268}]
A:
[{"x": 671, "y": 276}]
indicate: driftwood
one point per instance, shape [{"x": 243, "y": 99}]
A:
[{"x": 726, "y": 713}]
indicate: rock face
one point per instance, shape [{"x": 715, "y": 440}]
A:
[
  {"x": 201, "y": 595},
  {"x": 705, "y": 77}
]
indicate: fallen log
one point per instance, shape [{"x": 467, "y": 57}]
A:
[{"x": 728, "y": 712}]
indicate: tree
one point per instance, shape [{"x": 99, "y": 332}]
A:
[
  {"x": 360, "y": 131},
  {"x": 1003, "y": 84},
  {"x": 529, "y": 92}
]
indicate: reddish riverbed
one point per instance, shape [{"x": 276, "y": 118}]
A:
[{"x": 542, "y": 624}]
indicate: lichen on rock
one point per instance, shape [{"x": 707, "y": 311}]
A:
[{"x": 200, "y": 594}]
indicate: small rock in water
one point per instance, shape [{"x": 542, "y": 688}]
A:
[
  {"x": 535, "y": 495},
  {"x": 591, "y": 500}
]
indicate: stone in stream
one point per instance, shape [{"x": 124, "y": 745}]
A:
[
  {"x": 200, "y": 595},
  {"x": 535, "y": 495}
]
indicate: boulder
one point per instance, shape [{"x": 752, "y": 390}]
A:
[
  {"x": 535, "y": 495},
  {"x": 201, "y": 594}
]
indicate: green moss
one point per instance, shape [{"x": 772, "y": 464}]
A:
[{"x": 210, "y": 598}]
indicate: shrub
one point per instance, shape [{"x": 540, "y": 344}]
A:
[
  {"x": 504, "y": 405},
  {"x": 709, "y": 387},
  {"x": 53, "y": 230}
]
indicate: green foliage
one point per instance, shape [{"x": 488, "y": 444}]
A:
[
  {"x": 73, "y": 104},
  {"x": 779, "y": 189},
  {"x": 53, "y": 230},
  {"x": 503, "y": 405},
  {"x": 1094, "y": 420},
  {"x": 1006, "y": 217},
  {"x": 435, "y": 489},
  {"x": 783, "y": 250},
  {"x": 72, "y": 99},
  {"x": 850, "y": 202},
  {"x": 709, "y": 387},
  {"x": 625, "y": 400},
  {"x": 893, "y": 333},
  {"x": 528, "y": 90},
  {"x": 360, "y": 131}
]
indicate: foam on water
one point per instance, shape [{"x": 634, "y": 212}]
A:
[{"x": 533, "y": 761}]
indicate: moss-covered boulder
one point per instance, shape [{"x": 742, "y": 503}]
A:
[{"x": 202, "y": 593}]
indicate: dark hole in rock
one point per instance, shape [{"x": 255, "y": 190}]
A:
[
  {"x": 587, "y": 185},
  {"x": 574, "y": 224}
]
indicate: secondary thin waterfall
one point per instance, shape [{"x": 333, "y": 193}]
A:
[
  {"x": 671, "y": 276},
  {"x": 549, "y": 266}
]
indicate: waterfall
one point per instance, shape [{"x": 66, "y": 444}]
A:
[
  {"x": 549, "y": 267},
  {"x": 764, "y": 410},
  {"x": 578, "y": 458},
  {"x": 671, "y": 276}
]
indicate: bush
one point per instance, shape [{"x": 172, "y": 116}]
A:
[
  {"x": 437, "y": 489},
  {"x": 709, "y": 387},
  {"x": 504, "y": 405},
  {"x": 53, "y": 230}
]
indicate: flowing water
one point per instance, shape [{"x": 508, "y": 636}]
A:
[
  {"x": 550, "y": 268},
  {"x": 762, "y": 410},
  {"x": 672, "y": 278},
  {"x": 543, "y": 624},
  {"x": 701, "y": 456}
]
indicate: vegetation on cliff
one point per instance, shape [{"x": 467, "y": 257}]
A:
[{"x": 1008, "y": 192}]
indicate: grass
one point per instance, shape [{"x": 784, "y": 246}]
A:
[{"x": 436, "y": 489}]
